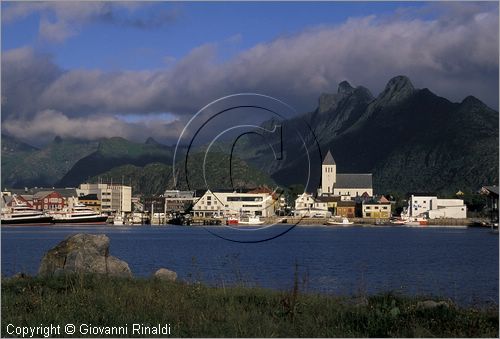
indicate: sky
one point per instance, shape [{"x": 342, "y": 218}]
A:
[{"x": 140, "y": 69}]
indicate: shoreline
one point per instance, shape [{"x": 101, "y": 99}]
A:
[{"x": 195, "y": 309}]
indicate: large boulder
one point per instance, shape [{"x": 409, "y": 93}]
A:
[
  {"x": 164, "y": 274},
  {"x": 83, "y": 253}
]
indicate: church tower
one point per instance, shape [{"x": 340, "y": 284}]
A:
[{"x": 328, "y": 174}]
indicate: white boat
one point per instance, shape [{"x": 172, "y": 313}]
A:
[
  {"x": 78, "y": 214},
  {"x": 250, "y": 220},
  {"x": 118, "y": 220},
  {"x": 336, "y": 221},
  {"x": 21, "y": 213},
  {"x": 416, "y": 222}
]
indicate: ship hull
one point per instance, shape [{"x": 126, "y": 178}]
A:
[
  {"x": 28, "y": 221},
  {"x": 90, "y": 220}
]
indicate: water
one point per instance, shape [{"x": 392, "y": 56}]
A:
[{"x": 461, "y": 264}]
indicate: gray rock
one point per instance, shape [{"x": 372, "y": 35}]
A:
[
  {"x": 430, "y": 304},
  {"x": 164, "y": 274},
  {"x": 83, "y": 253}
]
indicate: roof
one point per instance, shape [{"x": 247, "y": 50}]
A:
[
  {"x": 354, "y": 180},
  {"x": 65, "y": 192},
  {"x": 41, "y": 194},
  {"x": 332, "y": 198},
  {"x": 491, "y": 189},
  {"x": 329, "y": 159},
  {"x": 346, "y": 203}
]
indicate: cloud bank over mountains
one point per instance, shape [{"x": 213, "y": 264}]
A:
[{"x": 454, "y": 53}]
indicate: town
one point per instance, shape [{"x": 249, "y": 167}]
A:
[{"x": 341, "y": 199}]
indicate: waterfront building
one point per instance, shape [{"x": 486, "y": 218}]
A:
[
  {"x": 114, "y": 198},
  {"x": 223, "y": 203},
  {"x": 179, "y": 201},
  {"x": 491, "y": 193},
  {"x": 376, "y": 208},
  {"x": 308, "y": 206},
  {"x": 346, "y": 208},
  {"x": 91, "y": 201},
  {"x": 48, "y": 201},
  {"x": 346, "y": 185},
  {"x": 434, "y": 208}
]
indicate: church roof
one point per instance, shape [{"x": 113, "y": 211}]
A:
[
  {"x": 348, "y": 180},
  {"x": 329, "y": 159}
]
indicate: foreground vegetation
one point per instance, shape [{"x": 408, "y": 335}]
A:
[{"x": 197, "y": 310}]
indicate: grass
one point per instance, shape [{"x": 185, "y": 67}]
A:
[{"x": 195, "y": 310}]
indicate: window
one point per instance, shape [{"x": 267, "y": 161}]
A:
[
  {"x": 384, "y": 208},
  {"x": 368, "y": 214},
  {"x": 209, "y": 203},
  {"x": 416, "y": 208},
  {"x": 368, "y": 208},
  {"x": 209, "y": 198},
  {"x": 425, "y": 202},
  {"x": 376, "y": 207}
]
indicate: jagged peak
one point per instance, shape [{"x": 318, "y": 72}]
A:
[
  {"x": 345, "y": 88},
  {"x": 151, "y": 141},
  {"x": 398, "y": 83},
  {"x": 471, "y": 100}
]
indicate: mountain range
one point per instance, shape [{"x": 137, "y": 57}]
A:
[{"x": 412, "y": 140}]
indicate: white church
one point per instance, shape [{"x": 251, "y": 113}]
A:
[
  {"x": 334, "y": 187},
  {"x": 346, "y": 185}
]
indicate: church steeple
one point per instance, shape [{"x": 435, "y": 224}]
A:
[{"x": 328, "y": 174}]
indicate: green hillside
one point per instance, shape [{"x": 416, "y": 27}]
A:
[{"x": 154, "y": 178}]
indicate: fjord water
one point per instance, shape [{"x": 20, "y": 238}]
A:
[{"x": 460, "y": 264}]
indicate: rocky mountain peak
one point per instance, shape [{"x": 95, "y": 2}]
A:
[
  {"x": 396, "y": 90},
  {"x": 345, "y": 88}
]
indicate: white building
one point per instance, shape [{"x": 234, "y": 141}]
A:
[
  {"x": 114, "y": 198},
  {"x": 346, "y": 185},
  {"x": 234, "y": 203},
  {"x": 433, "y": 207},
  {"x": 307, "y": 206}
]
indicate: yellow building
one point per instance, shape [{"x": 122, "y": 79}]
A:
[
  {"x": 91, "y": 201},
  {"x": 378, "y": 209}
]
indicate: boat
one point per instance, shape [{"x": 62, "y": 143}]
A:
[
  {"x": 251, "y": 220},
  {"x": 232, "y": 221},
  {"x": 20, "y": 213},
  {"x": 78, "y": 214},
  {"x": 398, "y": 221},
  {"x": 118, "y": 220},
  {"x": 336, "y": 221},
  {"x": 416, "y": 221}
]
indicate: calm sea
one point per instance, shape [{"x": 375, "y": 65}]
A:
[{"x": 461, "y": 264}]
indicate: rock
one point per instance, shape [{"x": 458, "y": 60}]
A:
[
  {"x": 19, "y": 275},
  {"x": 430, "y": 304},
  {"x": 164, "y": 274},
  {"x": 83, "y": 253}
]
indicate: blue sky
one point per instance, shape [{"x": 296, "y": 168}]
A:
[
  {"x": 236, "y": 26},
  {"x": 138, "y": 69}
]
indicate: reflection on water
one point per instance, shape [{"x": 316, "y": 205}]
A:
[{"x": 461, "y": 264}]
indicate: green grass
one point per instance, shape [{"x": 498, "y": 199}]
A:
[{"x": 197, "y": 310}]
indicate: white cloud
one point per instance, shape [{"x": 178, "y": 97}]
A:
[{"x": 453, "y": 57}]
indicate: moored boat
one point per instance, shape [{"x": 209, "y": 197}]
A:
[
  {"x": 337, "y": 221},
  {"x": 250, "y": 220},
  {"x": 22, "y": 214},
  {"x": 78, "y": 214}
]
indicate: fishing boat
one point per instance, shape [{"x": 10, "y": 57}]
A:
[
  {"x": 78, "y": 214},
  {"x": 232, "y": 221},
  {"x": 416, "y": 221},
  {"x": 337, "y": 221},
  {"x": 251, "y": 220},
  {"x": 20, "y": 213}
]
